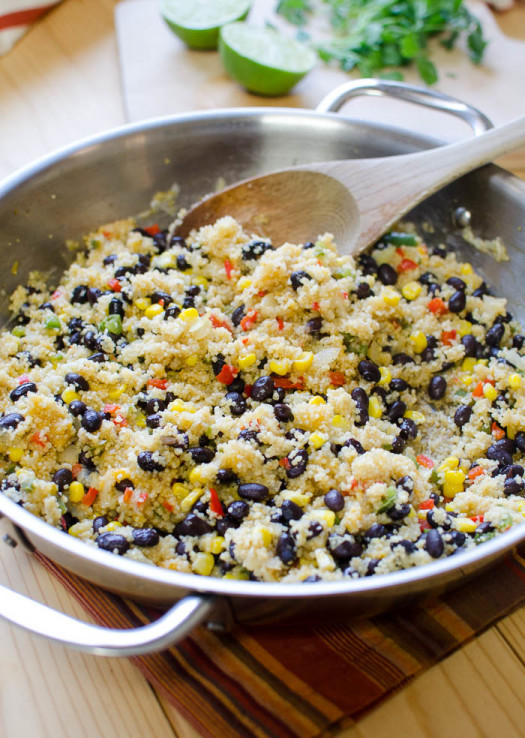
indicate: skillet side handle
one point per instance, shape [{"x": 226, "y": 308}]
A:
[
  {"x": 172, "y": 627},
  {"x": 408, "y": 93}
]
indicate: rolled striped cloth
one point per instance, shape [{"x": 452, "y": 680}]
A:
[
  {"x": 305, "y": 681},
  {"x": 16, "y": 16}
]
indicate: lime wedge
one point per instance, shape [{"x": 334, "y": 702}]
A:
[
  {"x": 263, "y": 60},
  {"x": 197, "y": 22}
]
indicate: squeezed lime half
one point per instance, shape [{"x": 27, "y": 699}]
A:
[
  {"x": 263, "y": 60},
  {"x": 197, "y": 22}
]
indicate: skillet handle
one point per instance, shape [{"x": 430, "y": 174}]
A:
[
  {"x": 408, "y": 93},
  {"x": 172, "y": 627}
]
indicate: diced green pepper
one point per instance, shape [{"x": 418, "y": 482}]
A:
[
  {"x": 389, "y": 500},
  {"x": 400, "y": 239}
]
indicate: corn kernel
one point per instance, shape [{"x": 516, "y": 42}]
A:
[
  {"x": 386, "y": 376},
  {"x": 515, "y": 381},
  {"x": 511, "y": 433},
  {"x": 197, "y": 476},
  {"x": 140, "y": 420},
  {"x": 245, "y": 362},
  {"x": 482, "y": 362},
  {"x": 202, "y": 281},
  {"x": 317, "y": 440},
  {"x": 191, "y": 361},
  {"x": 280, "y": 367},
  {"x": 374, "y": 408},
  {"x": 244, "y": 283},
  {"x": 342, "y": 423},
  {"x": 153, "y": 311},
  {"x": 490, "y": 392},
  {"x": 75, "y": 530},
  {"x": 263, "y": 537},
  {"x": 203, "y": 563},
  {"x": 324, "y": 560},
  {"x": 416, "y": 416},
  {"x": 142, "y": 303},
  {"x": 15, "y": 454},
  {"x": 217, "y": 545},
  {"x": 451, "y": 462},
  {"x": 466, "y": 268},
  {"x": 76, "y": 492},
  {"x": 466, "y": 380},
  {"x": 449, "y": 507},
  {"x": 453, "y": 483},
  {"x": 179, "y": 406},
  {"x": 391, "y": 296},
  {"x": 468, "y": 364},
  {"x": 299, "y": 498},
  {"x": 114, "y": 525},
  {"x": 116, "y": 393},
  {"x": 189, "y": 315},
  {"x": 189, "y": 501},
  {"x": 324, "y": 516},
  {"x": 464, "y": 525},
  {"x": 465, "y": 327},
  {"x": 69, "y": 394},
  {"x": 180, "y": 490},
  {"x": 317, "y": 400},
  {"x": 304, "y": 361},
  {"x": 419, "y": 341},
  {"x": 422, "y": 514},
  {"x": 411, "y": 290},
  {"x": 237, "y": 573}
]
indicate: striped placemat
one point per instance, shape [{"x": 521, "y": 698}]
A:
[
  {"x": 305, "y": 682},
  {"x": 16, "y": 16}
]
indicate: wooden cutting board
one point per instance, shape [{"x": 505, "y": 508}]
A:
[{"x": 160, "y": 76}]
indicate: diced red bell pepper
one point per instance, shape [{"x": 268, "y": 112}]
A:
[
  {"x": 280, "y": 323},
  {"x": 227, "y": 374},
  {"x": 39, "y": 438},
  {"x": 90, "y": 496},
  {"x": 219, "y": 322},
  {"x": 427, "y": 505},
  {"x": 111, "y": 408},
  {"x": 285, "y": 462},
  {"x": 248, "y": 390},
  {"x": 23, "y": 379},
  {"x": 437, "y": 306},
  {"x": 114, "y": 285},
  {"x": 447, "y": 337},
  {"x": 158, "y": 383},
  {"x": 316, "y": 306},
  {"x": 152, "y": 230},
  {"x": 168, "y": 506},
  {"x": 141, "y": 498},
  {"x": 425, "y": 461},
  {"x": 497, "y": 432},
  {"x": 337, "y": 378},
  {"x": 215, "y": 503},
  {"x": 249, "y": 320},
  {"x": 475, "y": 472},
  {"x": 76, "y": 469},
  {"x": 478, "y": 390},
  {"x": 406, "y": 266},
  {"x": 128, "y": 493},
  {"x": 228, "y": 267},
  {"x": 286, "y": 383}
]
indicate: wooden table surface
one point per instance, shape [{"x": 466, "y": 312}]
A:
[{"x": 61, "y": 83}]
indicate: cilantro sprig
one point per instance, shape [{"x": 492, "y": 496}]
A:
[{"x": 374, "y": 36}]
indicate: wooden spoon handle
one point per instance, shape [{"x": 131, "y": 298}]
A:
[{"x": 386, "y": 188}]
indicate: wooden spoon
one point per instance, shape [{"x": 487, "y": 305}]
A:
[{"x": 356, "y": 199}]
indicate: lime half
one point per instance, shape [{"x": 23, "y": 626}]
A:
[
  {"x": 197, "y": 22},
  {"x": 263, "y": 60}
]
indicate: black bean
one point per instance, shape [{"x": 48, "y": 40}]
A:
[
  {"x": 409, "y": 546},
  {"x": 154, "y": 420},
  {"x": 355, "y": 444},
  {"x": 372, "y": 566},
  {"x": 192, "y": 525},
  {"x": 514, "y": 470},
  {"x": 457, "y": 283},
  {"x": 11, "y": 420},
  {"x": 77, "y": 380},
  {"x": 297, "y": 463},
  {"x": 314, "y": 529},
  {"x": 255, "y": 249},
  {"x": 253, "y": 491},
  {"x": 470, "y": 344},
  {"x": 398, "y": 385},
  {"x": 238, "y": 510},
  {"x": 387, "y": 274},
  {"x": 360, "y": 398},
  {"x": 248, "y": 435},
  {"x": 91, "y": 340},
  {"x": 99, "y": 522},
  {"x": 401, "y": 359},
  {"x": 113, "y": 542},
  {"x": 145, "y": 537},
  {"x": 306, "y": 246},
  {"x": 398, "y": 445},
  {"x": 223, "y": 524},
  {"x": 495, "y": 334},
  {"x": 345, "y": 549},
  {"x": 147, "y": 463},
  {"x": 188, "y": 302},
  {"x": 427, "y": 278},
  {"x": 237, "y": 403},
  {"x": 172, "y": 312},
  {"x": 427, "y": 355},
  {"x": 396, "y": 410},
  {"x": 238, "y": 315},
  {"x": 298, "y": 278},
  {"x": 111, "y": 259},
  {"x": 262, "y": 388},
  {"x": 446, "y": 522},
  {"x": 291, "y": 510},
  {"x": 86, "y": 460},
  {"x": 518, "y": 341},
  {"x": 369, "y": 370},
  {"x": 456, "y": 538},
  {"x": 363, "y": 290},
  {"x": 161, "y": 296},
  {"x": 437, "y": 387},
  {"x": 408, "y": 429},
  {"x": 201, "y": 454},
  {"x": 93, "y": 295},
  {"x": 91, "y": 420},
  {"x": 434, "y": 544},
  {"x": 483, "y": 529},
  {"x": 406, "y": 483},
  {"x": 123, "y": 484},
  {"x": 313, "y": 326},
  {"x": 367, "y": 264},
  {"x": 377, "y": 530},
  {"x": 398, "y": 512},
  {"x": 507, "y": 444},
  {"x": 457, "y": 302},
  {"x": 334, "y": 500},
  {"x": 23, "y": 389},
  {"x": 520, "y": 440},
  {"x": 75, "y": 324},
  {"x": 80, "y": 294},
  {"x": 285, "y": 548},
  {"x": 283, "y": 412},
  {"x": 116, "y": 307},
  {"x": 62, "y": 478},
  {"x": 227, "y": 476},
  {"x": 462, "y": 415},
  {"x": 513, "y": 486},
  {"x": 182, "y": 264}
]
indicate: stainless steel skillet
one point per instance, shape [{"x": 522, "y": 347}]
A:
[{"x": 114, "y": 175}]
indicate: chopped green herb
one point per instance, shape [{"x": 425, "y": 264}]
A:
[{"x": 389, "y": 500}]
